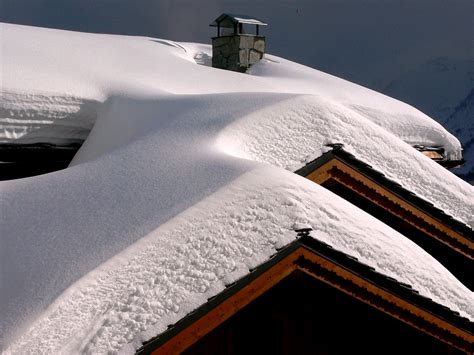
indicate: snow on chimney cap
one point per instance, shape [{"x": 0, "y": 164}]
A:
[{"x": 229, "y": 20}]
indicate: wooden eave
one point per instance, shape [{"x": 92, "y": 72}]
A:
[
  {"x": 341, "y": 167},
  {"x": 331, "y": 267},
  {"x": 437, "y": 154},
  {"x": 432, "y": 154}
]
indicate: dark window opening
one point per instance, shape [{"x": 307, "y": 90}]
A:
[
  {"x": 302, "y": 315},
  {"x": 456, "y": 263}
]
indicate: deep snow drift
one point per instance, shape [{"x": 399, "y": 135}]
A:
[{"x": 174, "y": 195}]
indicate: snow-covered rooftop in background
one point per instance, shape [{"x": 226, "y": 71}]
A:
[{"x": 183, "y": 185}]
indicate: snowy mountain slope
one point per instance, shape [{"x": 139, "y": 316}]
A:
[
  {"x": 461, "y": 123},
  {"x": 173, "y": 195},
  {"x": 443, "y": 88},
  {"x": 436, "y": 87}
]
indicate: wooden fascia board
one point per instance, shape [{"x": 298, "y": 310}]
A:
[
  {"x": 363, "y": 290},
  {"x": 335, "y": 169},
  {"x": 226, "y": 309},
  {"x": 335, "y": 275}
]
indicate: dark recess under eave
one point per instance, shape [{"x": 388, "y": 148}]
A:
[{"x": 24, "y": 160}]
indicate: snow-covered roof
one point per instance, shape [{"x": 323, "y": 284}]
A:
[{"x": 183, "y": 185}]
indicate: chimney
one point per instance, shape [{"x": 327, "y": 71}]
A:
[{"x": 233, "y": 48}]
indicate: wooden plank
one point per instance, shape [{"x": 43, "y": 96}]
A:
[{"x": 333, "y": 170}]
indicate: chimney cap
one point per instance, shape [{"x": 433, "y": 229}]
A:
[{"x": 229, "y": 20}]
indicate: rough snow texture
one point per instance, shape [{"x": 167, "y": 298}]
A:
[
  {"x": 177, "y": 267},
  {"x": 174, "y": 195}
]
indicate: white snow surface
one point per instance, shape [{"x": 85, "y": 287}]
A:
[{"x": 183, "y": 185}]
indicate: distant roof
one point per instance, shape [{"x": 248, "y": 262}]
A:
[{"x": 228, "y": 20}]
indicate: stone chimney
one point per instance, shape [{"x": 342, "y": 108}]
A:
[{"x": 233, "y": 48}]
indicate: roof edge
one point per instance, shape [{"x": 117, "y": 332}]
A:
[
  {"x": 364, "y": 168},
  {"x": 367, "y": 273}
]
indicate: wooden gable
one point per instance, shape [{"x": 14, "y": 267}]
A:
[
  {"x": 338, "y": 272},
  {"x": 449, "y": 241}
]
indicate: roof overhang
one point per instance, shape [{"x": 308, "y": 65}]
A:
[
  {"x": 331, "y": 267},
  {"x": 343, "y": 167},
  {"x": 437, "y": 153}
]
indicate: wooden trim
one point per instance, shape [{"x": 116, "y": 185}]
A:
[
  {"x": 385, "y": 301},
  {"x": 335, "y": 275},
  {"x": 432, "y": 154},
  {"x": 229, "y": 307},
  {"x": 384, "y": 198}
]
